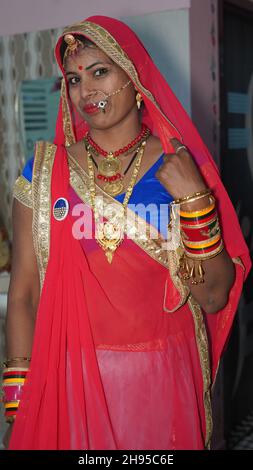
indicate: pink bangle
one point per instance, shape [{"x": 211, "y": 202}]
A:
[{"x": 12, "y": 392}]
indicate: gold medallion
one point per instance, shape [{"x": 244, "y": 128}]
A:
[
  {"x": 109, "y": 166},
  {"x": 114, "y": 188}
]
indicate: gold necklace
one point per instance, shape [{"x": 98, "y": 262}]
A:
[
  {"x": 109, "y": 235},
  {"x": 110, "y": 167}
]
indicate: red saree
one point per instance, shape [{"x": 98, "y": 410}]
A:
[{"x": 123, "y": 358}]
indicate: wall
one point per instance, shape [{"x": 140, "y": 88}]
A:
[
  {"x": 19, "y": 16},
  {"x": 22, "y": 57},
  {"x": 204, "y": 48},
  {"x": 159, "y": 33}
]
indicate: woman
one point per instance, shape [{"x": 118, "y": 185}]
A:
[{"x": 128, "y": 332}]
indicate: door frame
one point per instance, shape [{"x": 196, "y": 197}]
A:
[{"x": 243, "y": 8}]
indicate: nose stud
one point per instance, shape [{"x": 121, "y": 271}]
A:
[{"x": 102, "y": 104}]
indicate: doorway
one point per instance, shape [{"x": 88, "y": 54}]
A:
[{"x": 236, "y": 165}]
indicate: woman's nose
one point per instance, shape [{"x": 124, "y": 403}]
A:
[{"x": 86, "y": 90}]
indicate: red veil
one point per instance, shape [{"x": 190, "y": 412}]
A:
[{"x": 64, "y": 403}]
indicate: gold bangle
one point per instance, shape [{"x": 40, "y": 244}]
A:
[
  {"x": 198, "y": 194},
  {"x": 196, "y": 198},
  {"x": 15, "y": 359}
]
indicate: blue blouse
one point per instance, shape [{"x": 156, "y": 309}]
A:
[{"x": 149, "y": 197}]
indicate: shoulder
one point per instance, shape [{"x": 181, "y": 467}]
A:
[
  {"x": 41, "y": 149},
  {"x": 153, "y": 152},
  {"x": 22, "y": 190},
  {"x": 154, "y": 146}
]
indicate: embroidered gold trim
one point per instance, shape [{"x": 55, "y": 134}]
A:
[
  {"x": 203, "y": 350},
  {"x": 22, "y": 191},
  {"x": 106, "y": 42},
  {"x": 184, "y": 290},
  {"x": 238, "y": 260},
  {"x": 66, "y": 117},
  {"x": 41, "y": 195},
  {"x": 155, "y": 345}
]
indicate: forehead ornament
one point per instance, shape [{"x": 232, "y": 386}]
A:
[{"x": 73, "y": 44}]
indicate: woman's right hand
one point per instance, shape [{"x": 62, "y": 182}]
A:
[{"x": 7, "y": 436}]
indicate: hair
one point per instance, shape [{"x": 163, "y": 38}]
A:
[{"x": 85, "y": 41}]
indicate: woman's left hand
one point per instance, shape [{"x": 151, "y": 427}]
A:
[{"x": 179, "y": 173}]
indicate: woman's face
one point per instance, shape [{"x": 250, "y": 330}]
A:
[{"x": 91, "y": 76}]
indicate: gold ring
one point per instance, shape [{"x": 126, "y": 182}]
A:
[{"x": 180, "y": 148}]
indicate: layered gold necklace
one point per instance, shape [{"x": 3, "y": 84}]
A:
[
  {"x": 109, "y": 234},
  {"x": 110, "y": 167}
]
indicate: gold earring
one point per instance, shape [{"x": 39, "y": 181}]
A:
[{"x": 138, "y": 98}]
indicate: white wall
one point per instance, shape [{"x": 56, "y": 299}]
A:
[
  {"x": 159, "y": 33},
  {"x": 20, "y": 16}
]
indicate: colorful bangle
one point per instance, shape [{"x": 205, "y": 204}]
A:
[
  {"x": 199, "y": 213},
  {"x": 202, "y": 240},
  {"x": 197, "y": 221},
  {"x": 200, "y": 232},
  {"x": 13, "y": 381}
]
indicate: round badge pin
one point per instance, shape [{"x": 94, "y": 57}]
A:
[{"x": 61, "y": 208}]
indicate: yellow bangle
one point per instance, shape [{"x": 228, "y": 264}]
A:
[{"x": 199, "y": 213}]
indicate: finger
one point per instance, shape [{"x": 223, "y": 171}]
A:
[
  {"x": 177, "y": 144},
  {"x": 167, "y": 156}
]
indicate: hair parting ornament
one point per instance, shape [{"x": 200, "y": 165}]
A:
[{"x": 73, "y": 45}]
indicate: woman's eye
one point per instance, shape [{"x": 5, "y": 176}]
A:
[
  {"x": 100, "y": 72},
  {"x": 74, "y": 80}
]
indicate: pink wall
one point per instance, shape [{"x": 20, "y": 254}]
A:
[{"x": 20, "y": 16}]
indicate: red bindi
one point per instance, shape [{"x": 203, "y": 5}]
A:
[{"x": 80, "y": 67}]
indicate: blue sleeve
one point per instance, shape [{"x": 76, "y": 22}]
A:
[{"x": 28, "y": 170}]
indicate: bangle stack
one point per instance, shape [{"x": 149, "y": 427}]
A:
[
  {"x": 201, "y": 237},
  {"x": 12, "y": 386}
]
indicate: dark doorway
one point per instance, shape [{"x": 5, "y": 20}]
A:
[{"x": 236, "y": 35}]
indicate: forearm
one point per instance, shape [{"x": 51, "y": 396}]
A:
[
  {"x": 20, "y": 323},
  {"x": 219, "y": 273}
]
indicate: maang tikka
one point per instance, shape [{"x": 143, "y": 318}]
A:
[{"x": 72, "y": 45}]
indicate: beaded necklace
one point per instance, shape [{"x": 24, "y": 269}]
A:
[{"x": 110, "y": 167}]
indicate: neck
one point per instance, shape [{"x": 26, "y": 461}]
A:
[{"x": 118, "y": 135}]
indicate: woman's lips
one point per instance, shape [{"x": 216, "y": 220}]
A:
[{"x": 91, "y": 108}]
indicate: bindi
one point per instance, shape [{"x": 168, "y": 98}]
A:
[{"x": 80, "y": 67}]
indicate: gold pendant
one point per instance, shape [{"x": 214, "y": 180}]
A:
[
  {"x": 114, "y": 188},
  {"x": 109, "y": 237},
  {"x": 109, "y": 166}
]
